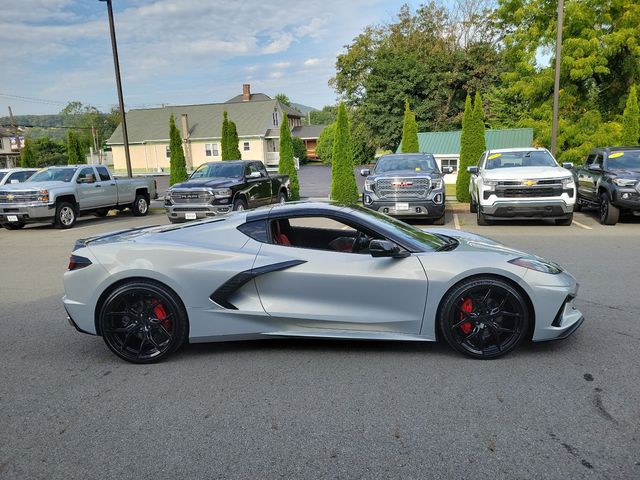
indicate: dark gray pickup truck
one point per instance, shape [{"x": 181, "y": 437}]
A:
[{"x": 216, "y": 188}]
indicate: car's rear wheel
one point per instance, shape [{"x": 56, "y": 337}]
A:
[
  {"x": 282, "y": 198},
  {"x": 143, "y": 321},
  {"x": 484, "y": 317},
  {"x": 609, "y": 214},
  {"x": 480, "y": 218},
  {"x": 65, "y": 215},
  {"x": 14, "y": 225},
  {"x": 239, "y": 204},
  {"x": 439, "y": 220},
  {"x": 140, "y": 206}
]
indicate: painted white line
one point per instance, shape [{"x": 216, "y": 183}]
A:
[
  {"x": 586, "y": 227},
  {"x": 456, "y": 221}
]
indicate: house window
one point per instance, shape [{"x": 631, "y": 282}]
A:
[
  {"x": 449, "y": 162},
  {"x": 1, "y": 145},
  {"x": 246, "y": 146},
  {"x": 211, "y": 150},
  {"x": 275, "y": 118},
  {"x": 167, "y": 151}
]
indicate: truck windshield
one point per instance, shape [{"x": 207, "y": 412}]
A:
[
  {"x": 416, "y": 163},
  {"x": 626, "y": 160},
  {"x": 531, "y": 158},
  {"x": 221, "y": 169},
  {"x": 53, "y": 174}
]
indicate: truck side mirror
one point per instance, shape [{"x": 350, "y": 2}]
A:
[
  {"x": 594, "y": 167},
  {"x": 473, "y": 169},
  {"x": 365, "y": 172},
  {"x": 567, "y": 165},
  {"x": 254, "y": 175}
]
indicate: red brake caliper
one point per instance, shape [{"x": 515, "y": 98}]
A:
[
  {"x": 161, "y": 313},
  {"x": 467, "y": 307}
]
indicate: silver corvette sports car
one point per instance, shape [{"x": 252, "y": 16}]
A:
[{"x": 312, "y": 270}]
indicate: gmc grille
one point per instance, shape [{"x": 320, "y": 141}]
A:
[{"x": 402, "y": 188}]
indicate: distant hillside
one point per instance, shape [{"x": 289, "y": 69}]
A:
[{"x": 303, "y": 108}]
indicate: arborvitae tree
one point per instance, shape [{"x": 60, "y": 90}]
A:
[
  {"x": 224, "y": 136},
  {"x": 466, "y": 152},
  {"x": 631, "y": 119},
  {"x": 72, "y": 148},
  {"x": 479, "y": 143},
  {"x": 232, "y": 142},
  {"x": 409, "y": 131},
  {"x": 343, "y": 179},
  {"x": 324, "y": 147},
  {"x": 27, "y": 155},
  {"x": 177, "y": 162},
  {"x": 80, "y": 152},
  {"x": 286, "y": 165}
]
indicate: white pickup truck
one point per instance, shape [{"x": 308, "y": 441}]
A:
[
  {"x": 521, "y": 183},
  {"x": 61, "y": 194}
]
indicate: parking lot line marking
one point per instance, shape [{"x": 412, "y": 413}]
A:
[
  {"x": 456, "y": 222},
  {"x": 586, "y": 227}
]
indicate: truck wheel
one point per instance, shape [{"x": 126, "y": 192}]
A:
[
  {"x": 577, "y": 207},
  {"x": 282, "y": 198},
  {"x": 65, "y": 215},
  {"x": 565, "y": 222},
  {"x": 473, "y": 206},
  {"x": 480, "y": 218},
  {"x": 609, "y": 214},
  {"x": 239, "y": 205},
  {"x": 140, "y": 206},
  {"x": 14, "y": 225},
  {"x": 439, "y": 221}
]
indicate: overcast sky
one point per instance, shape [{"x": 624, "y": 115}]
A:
[{"x": 176, "y": 51}]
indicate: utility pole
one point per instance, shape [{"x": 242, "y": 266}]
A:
[
  {"x": 556, "y": 85},
  {"x": 116, "y": 63}
]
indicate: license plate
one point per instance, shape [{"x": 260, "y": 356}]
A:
[
  {"x": 190, "y": 215},
  {"x": 12, "y": 218},
  {"x": 402, "y": 206}
]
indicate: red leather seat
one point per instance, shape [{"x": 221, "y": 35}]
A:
[{"x": 279, "y": 237}]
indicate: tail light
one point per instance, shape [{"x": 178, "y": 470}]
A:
[{"x": 77, "y": 262}]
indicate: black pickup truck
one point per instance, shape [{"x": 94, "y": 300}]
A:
[
  {"x": 609, "y": 180},
  {"x": 216, "y": 188}
]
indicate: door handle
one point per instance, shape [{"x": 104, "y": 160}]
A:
[
  {"x": 98, "y": 186},
  {"x": 112, "y": 184}
]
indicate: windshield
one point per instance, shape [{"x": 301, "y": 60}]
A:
[
  {"x": 408, "y": 232},
  {"x": 221, "y": 169},
  {"x": 57, "y": 174},
  {"x": 390, "y": 163},
  {"x": 532, "y": 158},
  {"x": 627, "y": 160}
]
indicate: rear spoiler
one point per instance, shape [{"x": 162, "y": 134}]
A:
[{"x": 83, "y": 242}]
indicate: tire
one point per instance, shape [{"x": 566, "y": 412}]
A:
[
  {"x": 577, "y": 207},
  {"x": 143, "y": 321},
  {"x": 608, "y": 214},
  {"x": 140, "y": 206},
  {"x": 439, "y": 220},
  {"x": 103, "y": 212},
  {"x": 239, "y": 205},
  {"x": 14, "y": 225},
  {"x": 480, "y": 218},
  {"x": 282, "y": 198},
  {"x": 491, "y": 335},
  {"x": 66, "y": 215},
  {"x": 565, "y": 222},
  {"x": 473, "y": 206}
]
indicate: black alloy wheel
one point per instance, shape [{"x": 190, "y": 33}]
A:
[
  {"x": 282, "y": 198},
  {"x": 484, "y": 318},
  {"x": 143, "y": 322},
  {"x": 609, "y": 214}
]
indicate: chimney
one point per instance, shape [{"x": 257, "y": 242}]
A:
[
  {"x": 184, "y": 120},
  {"x": 246, "y": 92}
]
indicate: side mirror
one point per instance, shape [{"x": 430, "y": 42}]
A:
[
  {"x": 594, "y": 167},
  {"x": 385, "y": 248},
  {"x": 365, "y": 172},
  {"x": 473, "y": 169},
  {"x": 446, "y": 170},
  {"x": 567, "y": 165},
  {"x": 254, "y": 175}
]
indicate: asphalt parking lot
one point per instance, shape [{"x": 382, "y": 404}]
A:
[{"x": 323, "y": 409}]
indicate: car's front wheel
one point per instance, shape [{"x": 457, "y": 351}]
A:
[
  {"x": 143, "y": 321},
  {"x": 140, "y": 206},
  {"x": 239, "y": 205},
  {"x": 480, "y": 217},
  {"x": 484, "y": 317},
  {"x": 65, "y": 215},
  {"x": 609, "y": 214}
]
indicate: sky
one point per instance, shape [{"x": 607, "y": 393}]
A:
[{"x": 176, "y": 51}]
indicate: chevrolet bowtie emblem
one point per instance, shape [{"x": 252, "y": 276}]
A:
[
  {"x": 530, "y": 183},
  {"x": 10, "y": 197}
]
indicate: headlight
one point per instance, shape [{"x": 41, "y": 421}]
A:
[
  {"x": 624, "y": 182},
  {"x": 369, "y": 184},
  {"x": 567, "y": 181},
  {"x": 537, "y": 264},
  {"x": 43, "y": 195},
  {"x": 222, "y": 193},
  {"x": 489, "y": 183},
  {"x": 436, "y": 184},
  {"x": 167, "y": 198}
]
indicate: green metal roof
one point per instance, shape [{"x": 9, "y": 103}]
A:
[
  {"x": 448, "y": 143},
  {"x": 205, "y": 121}
]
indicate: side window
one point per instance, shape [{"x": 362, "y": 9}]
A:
[
  {"x": 258, "y": 167},
  {"x": 104, "y": 174},
  {"x": 17, "y": 176},
  {"x": 599, "y": 159},
  {"x": 590, "y": 159},
  {"x": 256, "y": 230},
  {"x": 86, "y": 175},
  {"x": 319, "y": 233},
  {"x": 262, "y": 170}
]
